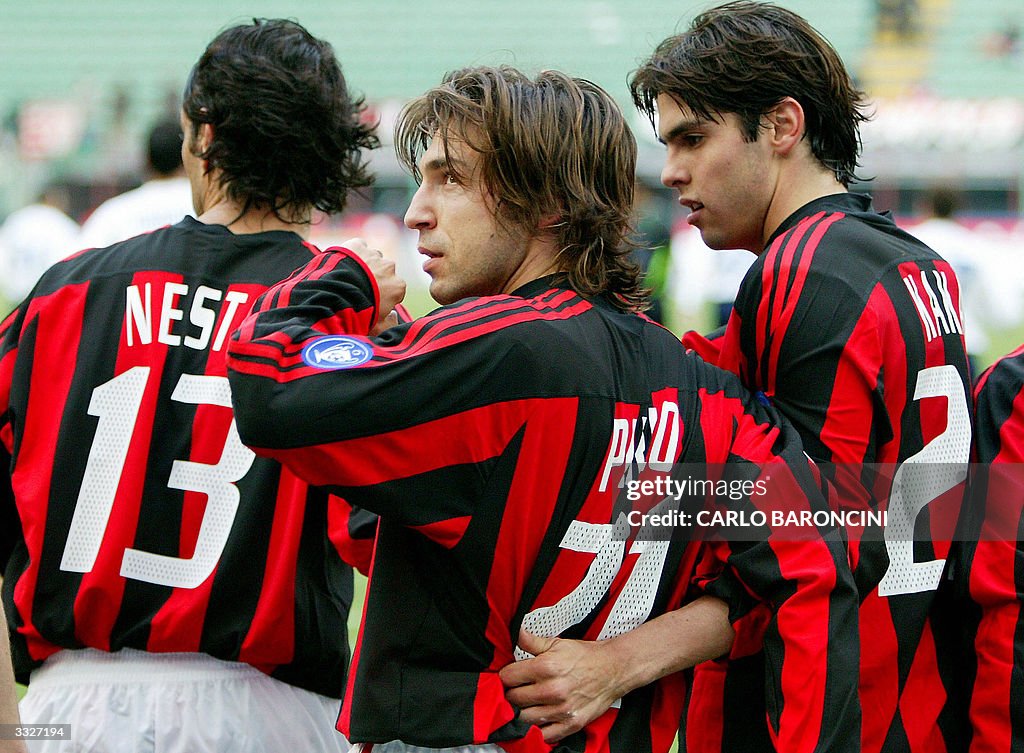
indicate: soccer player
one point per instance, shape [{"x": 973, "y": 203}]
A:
[
  {"x": 992, "y": 565},
  {"x": 164, "y": 587},
  {"x": 851, "y": 327},
  {"x": 163, "y": 199},
  {"x": 498, "y": 436}
]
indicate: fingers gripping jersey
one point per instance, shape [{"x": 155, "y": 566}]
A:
[
  {"x": 132, "y": 515},
  {"x": 491, "y": 436},
  {"x": 853, "y": 329},
  {"x": 993, "y": 564}
]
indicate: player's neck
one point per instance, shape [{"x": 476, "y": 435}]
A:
[
  {"x": 540, "y": 260},
  {"x": 800, "y": 187},
  {"x": 255, "y": 220}
]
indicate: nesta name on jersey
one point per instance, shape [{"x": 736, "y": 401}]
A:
[{"x": 170, "y": 327}]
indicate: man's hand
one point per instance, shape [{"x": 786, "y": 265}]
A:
[
  {"x": 570, "y": 683},
  {"x": 565, "y": 687},
  {"x": 391, "y": 286}
]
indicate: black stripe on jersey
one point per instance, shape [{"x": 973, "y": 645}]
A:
[
  {"x": 457, "y": 489},
  {"x": 744, "y": 696},
  {"x": 431, "y": 609},
  {"x": 238, "y": 580},
  {"x": 632, "y": 730},
  {"x": 318, "y": 603},
  {"x": 10, "y": 523}
]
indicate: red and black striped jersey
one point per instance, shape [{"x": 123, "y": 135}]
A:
[
  {"x": 852, "y": 328},
  {"x": 132, "y": 515},
  {"x": 991, "y": 573},
  {"x": 492, "y": 436}
]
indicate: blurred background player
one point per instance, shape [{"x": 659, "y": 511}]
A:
[
  {"x": 163, "y": 199},
  {"x": 164, "y": 587},
  {"x": 521, "y": 386},
  {"x": 987, "y": 303},
  {"x": 991, "y": 567},
  {"x": 849, "y": 326},
  {"x": 32, "y": 238}
]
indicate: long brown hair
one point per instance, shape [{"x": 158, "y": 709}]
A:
[{"x": 553, "y": 144}]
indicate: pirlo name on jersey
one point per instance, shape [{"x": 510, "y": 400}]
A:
[{"x": 169, "y": 327}]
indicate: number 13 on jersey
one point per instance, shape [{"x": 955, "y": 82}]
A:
[{"x": 116, "y": 404}]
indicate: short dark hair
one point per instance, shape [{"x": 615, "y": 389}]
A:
[
  {"x": 552, "y": 144},
  {"x": 945, "y": 201},
  {"x": 164, "y": 147},
  {"x": 287, "y": 133},
  {"x": 746, "y": 57}
]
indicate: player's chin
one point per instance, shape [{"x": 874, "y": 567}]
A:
[
  {"x": 442, "y": 291},
  {"x": 445, "y": 291}
]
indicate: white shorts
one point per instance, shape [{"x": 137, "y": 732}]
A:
[
  {"x": 397, "y": 746},
  {"x": 137, "y": 702}
]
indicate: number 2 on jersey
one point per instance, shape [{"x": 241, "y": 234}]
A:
[
  {"x": 921, "y": 479},
  {"x": 116, "y": 403}
]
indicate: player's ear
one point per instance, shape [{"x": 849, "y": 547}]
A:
[
  {"x": 785, "y": 125},
  {"x": 204, "y": 138}
]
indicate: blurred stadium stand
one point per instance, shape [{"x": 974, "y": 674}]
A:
[{"x": 82, "y": 81}]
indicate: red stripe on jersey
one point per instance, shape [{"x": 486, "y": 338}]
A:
[
  {"x": 879, "y": 676},
  {"x": 532, "y": 500},
  {"x": 99, "y": 596},
  {"x": 385, "y": 457},
  {"x": 846, "y": 431},
  {"x": 7, "y": 322},
  {"x": 321, "y": 265},
  {"x": 897, "y": 382},
  {"x": 923, "y": 698},
  {"x": 178, "y": 624},
  {"x": 448, "y": 532},
  {"x": 355, "y": 552},
  {"x": 271, "y": 637},
  {"x": 6, "y": 377},
  {"x": 704, "y": 726},
  {"x": 477, "y": 321},
  {"x": 806, "y": 612},
  {"x": 708, "y": 349},
  {"x": 717, "y": 410},
  {"x": 764, "y": 305},
  {"x": 993, "y": 587},
  {"x": 771, "y": 303},
  {"x": 812, "y": 610},
  {"x": 280, "y": 294},
  {"x": 788, "y": 294},
  {"x": 32, "y": 478},
  {"x": 994, "y": 571},
  {"x": 428, "y": 334},
  {"x": 490, "y": 709}
]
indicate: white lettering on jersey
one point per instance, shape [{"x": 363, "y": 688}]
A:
[
  {"x": 628, "y": 444},
  {"x": 939, "y": 315},
  {"x": 171, "y": 326}
]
